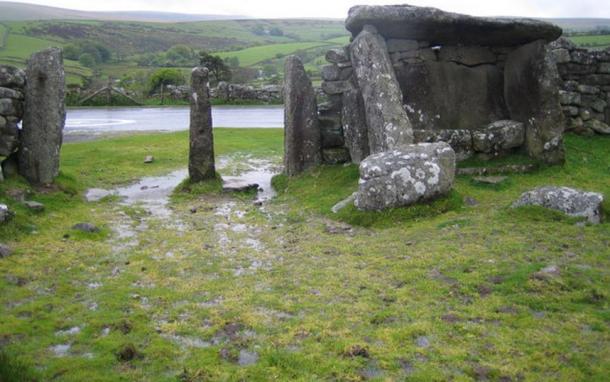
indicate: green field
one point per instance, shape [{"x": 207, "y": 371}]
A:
[
  {"x": 255, "y": 55},
  {"x": 592, "y": 41},
  {"x": 3, "y": 35}
]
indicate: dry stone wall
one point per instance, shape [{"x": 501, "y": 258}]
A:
[
  {"x": 12, "y": 85},
  {"x": 585, "y": 88}
]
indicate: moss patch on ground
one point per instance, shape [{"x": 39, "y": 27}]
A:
[{"x": 289, "y": 291}]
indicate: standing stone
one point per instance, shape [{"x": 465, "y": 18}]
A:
[
  {"x": 302, "y": 141},
  {"x": 532, "y": 95},
  {"x": 354, "y": 125},
  {"x": 44, "y": 117},
  {"x": 201, "y": 149},
  {"x": 388, "y": 124}
]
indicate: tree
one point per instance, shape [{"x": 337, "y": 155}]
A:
[
  {"x": 164, "y": 77},
  {"x": 87, "y": 59},
  {"x": 269, "y": 71},
  {"x": 233, "y": 62},
  {"x": 219, "y": 71}
]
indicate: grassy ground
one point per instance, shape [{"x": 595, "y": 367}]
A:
[
  {"x": 255, "y": 55},
  {"x": 444, "y": 292}
]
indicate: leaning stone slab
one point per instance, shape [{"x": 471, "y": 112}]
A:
[
  {"x": 302, "y": 140},
  {"x": 388, "y": 123},
  {"x": 532, "y": 95},
  {"x": 405, "y": 176},
  {"x": 570, "y": 201},
  {"x": 201, "y": 147},
  {"x": 434, "y": 25},
  {"x": 44, "y": 117}
]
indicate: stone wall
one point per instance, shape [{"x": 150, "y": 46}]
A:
[
  {"x": 12, "y": 85},
  {"x": 227, "y": 92},
  {"x": 585, "y": 93}
]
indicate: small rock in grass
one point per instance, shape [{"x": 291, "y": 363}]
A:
[
  {"x": 470, "y": 201},
  {"x": 547, "y": 272},
  {"x": 490, "y": 180},
  {"x": 247, "y": 358},
  {"x": 344, "y": 203},
  {"x": 422, "y": 342},
  {"x": 149, "y": 159},
  {"x": 34, "y": 206},
  {"x": 334, "y": 228},
  {"x": 86, "y": 227},
  {"x": 5, "y": 213},
  {"x": 5, "y": 251},
  {"x": 570, "y": 201}
]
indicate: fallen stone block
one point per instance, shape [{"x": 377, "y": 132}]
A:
[
  {"x": 499, "y": 137},
  {"x": 570, "y": 201},
  {"x": 406, "y": 175}
]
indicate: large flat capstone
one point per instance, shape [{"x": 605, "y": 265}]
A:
[
  {"x": 439, "y": 27},
  {"x": 406, "y": 175},
  {"x": 570, "y": 201}
]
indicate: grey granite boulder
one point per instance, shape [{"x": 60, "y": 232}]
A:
[
  {"x": 405, "y": 175},
  {"x": 302, "y": 139},
  {"x": 460, "y": 140},
  {"x": 388, "y": 123},
  {"x": 44, "y": 117},
  {"x": 570, "y": 201},
  {"x": 499, "y": 137},
  {"x": 5, "y": 213},
  {"x": 439, "y": 27}
]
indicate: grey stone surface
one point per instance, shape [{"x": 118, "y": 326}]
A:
[
  {"x": 86, "y": 227},
  {"x": 9, "y": 138},
  {"x": 354, "y": 125},
  {"x": 467, "y": 55},
  {"x": 34, "y": 206},
  {"x": 401, "y": 45},
  {"x": 336, "y": 155},
  {"x": 302, "y": 140},
  {"x": 570, "y": 201},
  {"x": 335, "y": 73},
  {"x": 10, "y": 93},
  {"x": 337, "y": 56},
  {"x": 335, "y": 87},
  {"x": 569, "y": 98},
  {"x": 439, "y": 27},
  {"x": 499, "y": 137},
  {"x": 44, "y": 117},
  {"x": 459, "y": 140},
  {"x": 6, "y": 213},
  {"x": 532, "y": 95},
  {"x": 448, "y": 95},
  {"x": 5, "y": 251},
  {"x": 387, "y": 121},
  {"x": 201, "y": 142},
  {"x": 405, "y": 176},
  {"x": 597, "y": 126},
  {"x": 11, "y": 76}
]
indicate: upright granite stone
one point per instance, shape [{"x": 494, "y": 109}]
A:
[
  {"x": 302, "y": 140},
  {"x": 532, "y": 94},
  {"x": 354, "y": 125},
  {"x": 388, "y": 124},
  {"x": 44, "y": 117},
  {"x": 201, "y": 149},
  {"x": 405, "y": 175}
]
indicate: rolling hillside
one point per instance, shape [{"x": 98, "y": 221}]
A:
[{"x": 10, "y": 11}]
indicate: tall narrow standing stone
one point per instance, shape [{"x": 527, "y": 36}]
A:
[
  {"x": 354, "y": 125},
  {"x": 388, "y": 123},
  {"x": 531, "y": 91},
  {"x": 201, "y": 149},
  {"x": 44, "y": 117},
  {"x": 302, "y": 141}
]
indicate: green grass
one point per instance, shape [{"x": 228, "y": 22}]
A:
[
  {"x": 445, "y": 294},
  {"x": 3, "y": 35}
]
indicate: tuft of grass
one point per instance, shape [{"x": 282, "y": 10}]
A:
[{"x": 14, "y": 369}]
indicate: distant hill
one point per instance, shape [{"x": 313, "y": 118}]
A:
[
  {"x": 13, "y": 11},
  {"x": 580, "y": 24}
]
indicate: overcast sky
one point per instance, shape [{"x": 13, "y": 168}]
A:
[{"x": 338, "y": 8}]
